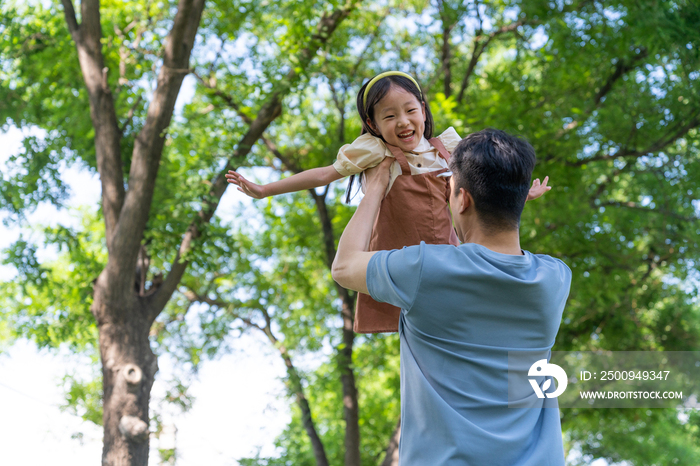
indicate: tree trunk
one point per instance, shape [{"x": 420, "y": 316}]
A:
[
  {"x": 297, "y": 389},
  {"x": 123, "y": 318},
  {"x": 347, "y": 375},
  {"x": 391, "y": 458},
  {"x": 128, "y": 371},
  {"x": 445, "y": 58}
]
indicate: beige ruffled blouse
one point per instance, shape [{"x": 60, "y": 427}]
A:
[{"x": 368, "y": 151}]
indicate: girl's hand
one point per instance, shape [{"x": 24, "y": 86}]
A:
[
  {"x": 379, "y": 175},
  {"x": 253, "y": 190},
  {"x": 538, "y": 189}
]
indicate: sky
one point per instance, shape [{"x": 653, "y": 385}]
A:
[{"x": 239, "y": 406}]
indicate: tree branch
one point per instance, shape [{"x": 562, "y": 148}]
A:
[
  {"x": 287, "y": 163},
  {"x": 621, "y": 68},
  {"x": 148, "y": 146},
  {"x": 130, "y": 115},
  {"x": 295, "y": 386},
  {"x": 661, "y": 211},
  {"x": 372, "y": 38},
  {"x": 88, "y": 41},
  {"x": 72, "y": 22},
  {"x": 477, "y": 49},
  {"x": 209, "y": 84},
  {"x": 195, "y": 297},
  {"x": 480, "y": 44},
  {"x": 298, "y": 390},
  {"x": 345, "y": 352},
  {"x": 659, "y": 145},
  {"x": 270, "y": 109}
]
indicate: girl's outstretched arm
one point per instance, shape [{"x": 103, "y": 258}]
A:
[
  {"x": 307, "y": 179},
  {"x": 538, "y": 189}
]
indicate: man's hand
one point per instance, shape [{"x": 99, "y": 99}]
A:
[
  {"x": 380, "y": 175},
  {"x": 538, "y": 189},
  {"x": 253, "y": 190}
]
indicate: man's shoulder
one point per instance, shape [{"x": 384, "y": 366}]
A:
[{"x": 554, "y": 262}]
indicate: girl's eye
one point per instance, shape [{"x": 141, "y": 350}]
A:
[{"x": 388, "y": 116}]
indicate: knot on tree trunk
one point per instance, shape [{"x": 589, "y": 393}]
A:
[
  {"x": 133, "y": 376},
  {"x": 133, "y": 429}
]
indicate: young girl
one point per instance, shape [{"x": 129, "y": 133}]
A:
[{"x": 396, "y": 122}]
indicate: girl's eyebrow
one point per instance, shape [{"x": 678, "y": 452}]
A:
[{"x": 393, "y": 108}]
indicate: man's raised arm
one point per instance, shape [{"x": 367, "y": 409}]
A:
[{"x": 350, "y": 264}]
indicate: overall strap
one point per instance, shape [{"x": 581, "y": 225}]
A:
[
  {"x": 401, "y": 158},
  {"x": 440, "y": 148}
]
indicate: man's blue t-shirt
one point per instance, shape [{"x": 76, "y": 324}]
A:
[{"x": 463, "y": 309}]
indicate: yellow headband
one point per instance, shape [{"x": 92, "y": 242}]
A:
[{"x": 384, "y": 75}]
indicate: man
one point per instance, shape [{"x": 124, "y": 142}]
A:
[{"x": 464, "y": 309}]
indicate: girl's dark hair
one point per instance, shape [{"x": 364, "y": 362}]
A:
[{"x": 377, "y": 93}]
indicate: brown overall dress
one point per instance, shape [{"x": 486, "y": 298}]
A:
[{"x": 416, "y": 209}]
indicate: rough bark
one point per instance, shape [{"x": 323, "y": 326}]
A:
[{"x": 128, "y": 370}]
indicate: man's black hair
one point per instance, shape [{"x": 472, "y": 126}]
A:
[{"x": 495, "y": 168}]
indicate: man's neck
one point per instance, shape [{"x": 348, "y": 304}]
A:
[{"x": 504, "y": 242}]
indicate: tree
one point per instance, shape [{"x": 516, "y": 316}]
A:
[
  {"x": 606, "y": 93},
  {"x": 128, "y": 159},
  {"x": 581, "y": 83}
]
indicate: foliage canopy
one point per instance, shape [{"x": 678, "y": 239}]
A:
[{"x": 608, "y": 93}]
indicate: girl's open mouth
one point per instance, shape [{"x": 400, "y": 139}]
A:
[{"x": 406, "y": 135}]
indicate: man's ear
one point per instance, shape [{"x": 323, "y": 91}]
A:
[{"x": 466, "y": 200}]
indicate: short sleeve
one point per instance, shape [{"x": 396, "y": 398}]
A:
[
  {"x": 450, "y": 139},
  {"x": 394, "y": 276},
  {"x": 365, "y": 152}
]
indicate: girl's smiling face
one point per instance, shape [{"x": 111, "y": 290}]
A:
[{"x": 400, "y": 118}]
